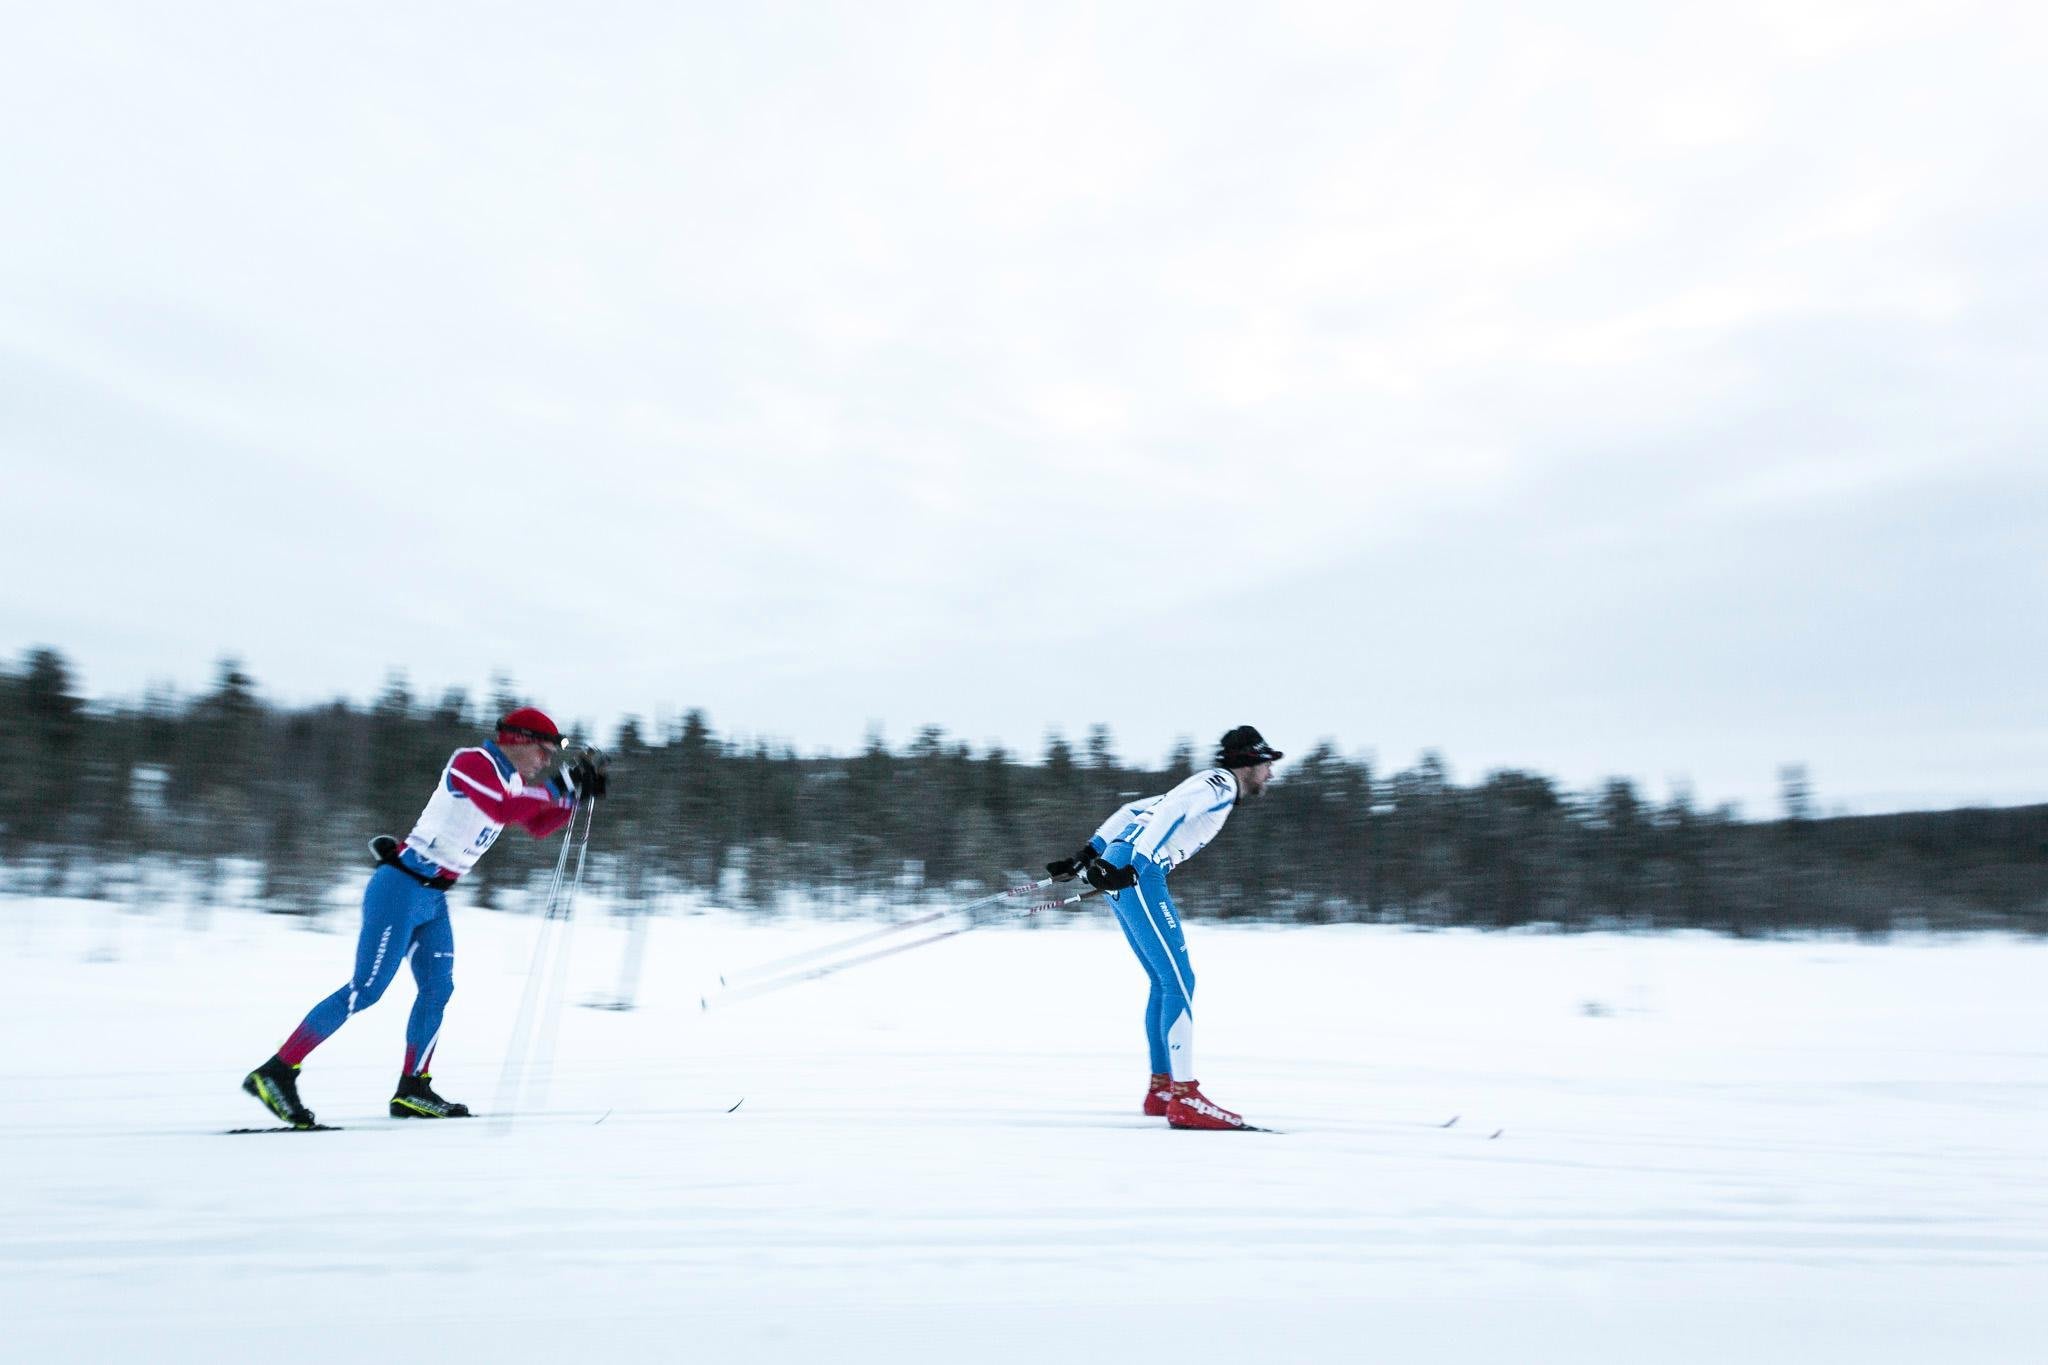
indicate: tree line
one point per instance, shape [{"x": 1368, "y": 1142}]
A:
[{"x": 224, "y": 776}]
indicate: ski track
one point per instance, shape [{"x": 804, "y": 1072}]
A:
[{"x": 1749, "y": 1151}]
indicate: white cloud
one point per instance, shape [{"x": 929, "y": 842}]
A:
[{"x": 859, "y": 341}]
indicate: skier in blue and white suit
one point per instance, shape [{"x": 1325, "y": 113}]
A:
[{"x": 1128, "y": 859}]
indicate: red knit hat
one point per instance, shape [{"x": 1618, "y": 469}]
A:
[{"x": 528, "y": 725}]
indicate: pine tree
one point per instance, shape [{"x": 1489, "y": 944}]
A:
[{"x": 42, "y": 785}]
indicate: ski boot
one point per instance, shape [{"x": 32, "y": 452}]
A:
[
  {"x": 276, "y": 1084},
  {"x": 1158, "y": 1091},
  {"x": 416, "y": 1100},
  {"x": 1190, "y": 1108}
]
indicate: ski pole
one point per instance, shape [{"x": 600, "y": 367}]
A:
[
  {"x": 796, "y": 978},
  {"x": 511, "y": 1076},
  {"x": 783, "y": 964},
  {"x": 551, "y": 1017}
]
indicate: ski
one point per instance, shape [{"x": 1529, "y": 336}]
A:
[
  {"x": 1454, "y": 1118},
  {"x": 286, "y": 1128}
]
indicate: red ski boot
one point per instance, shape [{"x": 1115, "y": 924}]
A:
[
  {"x": 1190, "y": 1108},
  {"x": 1158, "y": 1091}
]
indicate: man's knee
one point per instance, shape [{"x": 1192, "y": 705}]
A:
[
  {"x": 435, "y": 971},
  {"x": 363, "y": 994}
]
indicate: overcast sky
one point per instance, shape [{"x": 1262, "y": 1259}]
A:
[{"x": 1639, "y": 390}]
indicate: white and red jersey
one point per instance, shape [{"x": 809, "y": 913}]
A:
[
  {"x": 1168, "y": 830},
  {"x": 481, "y": 793}
]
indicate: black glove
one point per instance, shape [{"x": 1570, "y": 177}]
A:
[
  {"x": 1104, "y": 875},
  {"x": 1066, "y": 869},
  {"x": 586, "y": 775}
]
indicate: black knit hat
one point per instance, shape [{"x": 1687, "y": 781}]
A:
[{"x": 1245, "y": 747}]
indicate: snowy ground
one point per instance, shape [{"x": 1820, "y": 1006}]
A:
[{"x": 1707, "y": 1151}]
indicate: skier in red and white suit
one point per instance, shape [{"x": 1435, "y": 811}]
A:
[{"x": 405, "y": 906}]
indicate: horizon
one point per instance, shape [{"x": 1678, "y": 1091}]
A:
[{"x": 659, "y": 726}]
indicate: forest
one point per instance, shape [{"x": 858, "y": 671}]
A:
[{"x": 224, "y": 778}]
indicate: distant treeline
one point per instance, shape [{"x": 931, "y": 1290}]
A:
[{"x": 295, "y": 792}]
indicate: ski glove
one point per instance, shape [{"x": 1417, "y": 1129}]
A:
[
  {"x": 586, "y": 775},
  {"x": 1104, "y": 875},
  {"x": 1066, "y": 869}
]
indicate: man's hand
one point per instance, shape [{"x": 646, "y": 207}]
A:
[
  {"x": 1104, "y": 875},
  {"x": 586, "y": 776},
  {"x": 1068, "y": 868}
]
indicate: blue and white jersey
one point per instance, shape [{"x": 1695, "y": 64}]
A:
[{"x": 1168, "y": 830}]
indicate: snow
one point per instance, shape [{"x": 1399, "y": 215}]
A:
[{"x": 1706, "y": 1150}]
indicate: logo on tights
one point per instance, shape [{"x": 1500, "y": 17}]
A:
[{"x": 377, "y": 962}]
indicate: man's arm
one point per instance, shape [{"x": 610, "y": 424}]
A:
[
  {"x": 540, "y": 813},
  {"x": 1114, "y": 827},
  {"x": 1189, "y": 808},
  {"x": 1087, "y": 860}
]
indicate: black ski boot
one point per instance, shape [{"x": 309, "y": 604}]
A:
[
  {"x": 416, "y": 1100},
  {"x": 276, "y": 1084}
]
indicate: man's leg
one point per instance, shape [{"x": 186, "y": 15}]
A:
[
  {"x": 1126, "y": 907},
  {"x": 1152, "y": 927},
  {"x": 433, "y": 968},
  {"x": 390, "y": 903},
  {"x": 1155, "y": 931}
]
